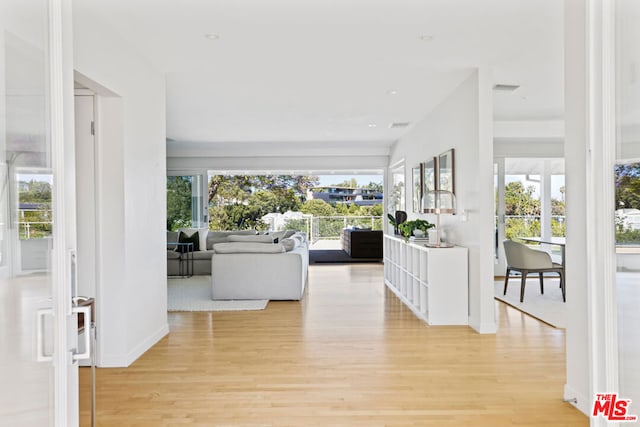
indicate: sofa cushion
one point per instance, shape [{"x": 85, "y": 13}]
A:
[
  {"x": 214, "y": 237},
  {"x": 206, "y": 255},
  {"x": 172, "y": 254},
  {"x": 284, "y": 234},
  {"x": 254, "y": 239},
  {"x": 247, "y": 247},
  {"x": 185, "y": 238},
  {"x": 202, "y": 235}
]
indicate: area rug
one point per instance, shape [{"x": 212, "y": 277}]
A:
[
  {"x": 547, "y": 308},
  {"x": 194, "y": 294}
]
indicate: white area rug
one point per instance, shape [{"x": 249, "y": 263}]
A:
[
  {"x": 194, "y": 294},
  {"x": 548, "y": 308}
]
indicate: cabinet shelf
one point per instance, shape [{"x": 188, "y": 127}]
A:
[{"x": 432, "y": 282}]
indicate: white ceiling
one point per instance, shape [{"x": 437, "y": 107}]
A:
[{"x": 314, "y": 71}]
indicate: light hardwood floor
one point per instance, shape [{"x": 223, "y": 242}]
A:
[{"x": 349, "y": 354}]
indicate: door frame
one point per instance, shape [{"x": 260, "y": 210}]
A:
[{"x": 65, "y": 383}]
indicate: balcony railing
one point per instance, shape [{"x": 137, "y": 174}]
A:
[{"x": 330, "y": 227}]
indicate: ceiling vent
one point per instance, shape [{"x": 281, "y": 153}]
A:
[
  {"x": 505, "y": 88},
  {"x": 397, "y": 125}
]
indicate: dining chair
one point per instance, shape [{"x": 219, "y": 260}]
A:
[{"x": 522, "y": 259}]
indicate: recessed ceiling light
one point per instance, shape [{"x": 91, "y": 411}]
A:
[
  {"x": 212, "y": 36},
  {"x": 426, "y": 37},
  {"x": 392, "y": 92},
  {"x": 372, "y": 125}
]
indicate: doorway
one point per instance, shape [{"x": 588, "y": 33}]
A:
[{"x": 529, "y": 202}]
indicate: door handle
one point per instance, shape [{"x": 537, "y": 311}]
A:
[
  {"x": 41, "y": 356},
  {"x": 86, "y": 311}
]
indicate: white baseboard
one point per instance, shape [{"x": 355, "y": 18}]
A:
[
  {"x": 484, "y": 328},
  {"x": 476, "y": 323},
  {"x": 582, "y": 402},
  {"x": 123, "y": 361}
]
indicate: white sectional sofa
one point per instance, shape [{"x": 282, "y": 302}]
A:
[{"x": 253, "y": 270}]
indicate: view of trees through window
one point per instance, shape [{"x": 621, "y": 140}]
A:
[
  {"x": 179, "y": 193},
  {"x": 523, "y": 210},
  {"x": 34, "y": 206},
  {"x": 627, "y": 196},
  {"x": 261, "y": 202}
]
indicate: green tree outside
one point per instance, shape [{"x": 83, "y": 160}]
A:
[{"x": 178, "y": 202}]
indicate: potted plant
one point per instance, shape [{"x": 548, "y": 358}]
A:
[{"x": 407, "y": 228}]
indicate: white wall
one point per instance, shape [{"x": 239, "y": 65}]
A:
[
  {"x": 290, "y": 162},
  {"x": 576, "y": 179},
  {"x": 131, "y": 135},
  {"x": 278, "y": 155},
  {"x": 463, "y": 122}
]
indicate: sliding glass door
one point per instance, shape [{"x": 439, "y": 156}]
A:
[{"x": 37, "y": 240}]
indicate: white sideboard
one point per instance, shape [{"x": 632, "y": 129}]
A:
[{"x": 432, "y": 282}]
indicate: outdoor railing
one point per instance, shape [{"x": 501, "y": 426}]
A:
[
  {"x": 330, "y": 227},
  {"x": 529, "y": 225}
]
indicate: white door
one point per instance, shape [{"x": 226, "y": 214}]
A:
[
  {"x": 37, "y": 325},
  {"x": 85, "y": 193}
]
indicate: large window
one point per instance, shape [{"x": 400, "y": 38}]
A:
[
  {"x": 321, "y": 205},
  {"x": 185, "y": 201},
  {"x": 530, "y": 202}
]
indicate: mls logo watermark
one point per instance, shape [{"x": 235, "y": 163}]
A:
[{"x": 611, "y": 408}]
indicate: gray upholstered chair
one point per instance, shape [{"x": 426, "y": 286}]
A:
[{"x": 525, "y": 260}]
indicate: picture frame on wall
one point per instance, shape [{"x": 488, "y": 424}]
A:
[
  {"x": 418, "y": 186},
  {"x": 397, "y": 197},
  {"x": 446, "y": 171},
  {"x": 430, "y": 175}
]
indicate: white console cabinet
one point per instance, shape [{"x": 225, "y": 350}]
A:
[{"x": 432, "y": 282}]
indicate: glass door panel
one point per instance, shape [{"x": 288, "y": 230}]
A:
[
  {"x": 27, "y": 287},
  {"x": 627, "y": 191}
]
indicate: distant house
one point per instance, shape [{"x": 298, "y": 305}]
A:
[
  {"x": 629, "y": 218},
  {"x": 346, "y": 195}
]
